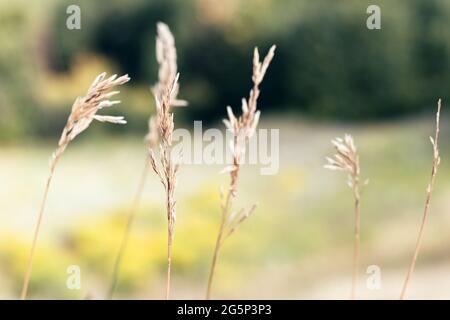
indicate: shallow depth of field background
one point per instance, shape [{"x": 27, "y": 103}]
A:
[{"x": 330, "y": 75}]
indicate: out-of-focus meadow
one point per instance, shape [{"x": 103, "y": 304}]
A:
[{"x": 331, "y": 75}]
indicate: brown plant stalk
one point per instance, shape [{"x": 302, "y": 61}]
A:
[
  {"x": 347, "y": 159},
  {"x": 243, "y": 129},
  {"x": 84, "y": 111},
  {"x": 161, "y": 129},
  {"x": 429, "y": 191},
  {"x": 166, "y": 56},
  {"x": 127, "y": 230}
]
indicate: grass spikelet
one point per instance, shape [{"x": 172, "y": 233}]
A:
[
  {"x": 166, "y": 56},
  {"x": 161, "y": 129},
  {"x": 434, "y": 168},
  {"x": 347, "y": 159},
  {"x": 84, "y": 111},
  {"x": 242, "y": 128}
]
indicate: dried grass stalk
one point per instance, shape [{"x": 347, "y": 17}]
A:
[
  {"x": 242, "y": 128},
  {"x": 429, "y": 191},
  {"x": 347, "y": 159},
  {"x": 166, "y": 57},
  {"x": 84, "y": 111},
  {"x": 161, "y": 129},
  {"x": 129, "y": 221}
]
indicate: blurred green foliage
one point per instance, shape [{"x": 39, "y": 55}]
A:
[{"x": 328, "y": 64}]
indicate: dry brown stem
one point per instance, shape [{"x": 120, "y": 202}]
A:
[
  {"x": 429, "y": 191},
  {"x": 242, "y": 128},
  {"x": 161, "y": 129},
  {"x": 84, "y": 111},
  {"x": 347, "y": 159},
  {"x": 166, "y": 57}
]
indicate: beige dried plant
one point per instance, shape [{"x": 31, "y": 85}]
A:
[
  {"x": 242, "y": 129},
  {"x": 84, "y": 111},
  {"x": 429, "y": 191},
  {"x": 161, "y": 127},
  {"x": 166, "y": 57},
  {"x": 347, "y": 159}
]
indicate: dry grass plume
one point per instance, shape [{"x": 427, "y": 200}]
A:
[
  {"x": 242, "y": 128},
  {"x": 434, "y": 169},
  {"x": 347, "y": 159},
  {"x": 166, "y": 57},
  {"x": 84, "y": 111},
  {"x": 161, "y": 128}
]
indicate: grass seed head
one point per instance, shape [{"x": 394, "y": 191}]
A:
[
  {"x": 84, "y": 110},
  {"x": 244, "y": 126}
]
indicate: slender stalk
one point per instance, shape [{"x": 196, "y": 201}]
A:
[
  {"x": 170, "y": 183},
  {"x": 416, "y": 250},
  {"x": 347, "y": 159},
  {"x": 161, "y": 129},
  {"x": 243, "y": 128},
  {"x": 357, "y": 244},
  {"x": 169, "y": 263},
  {"x": 214, "y": 261},
  {"x": 83, "y": 113},
  {"x": 26, "y": 280},
  {"x": 436, "y": 162},
  {"x": 218, "y": 245},
  {"x": 127, "y": 230}
]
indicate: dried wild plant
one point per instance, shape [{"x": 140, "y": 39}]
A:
[
  {"x": 242, "y": 129},
  {"x": 166, "y": 56},
  {"x": 434, "y": 169},
  {"x": 347, "y": 159},
  {"x": 84, "y": 111},
  {"x": 161, "y": 129}
]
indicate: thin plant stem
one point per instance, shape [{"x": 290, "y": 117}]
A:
[
  {"x": 161, "y": 128},
  {"x": 83, "y": 113},
  {"x": 169, "y": 263},
  {"x": 436, "y": 162},
  {"x": 357, "y": 243},
  {"x": 26, "y": 280},
  {"x": 243, "y": 128},
  {"x": 130, "y": 217},
  {"x": 214, "y": 261},
  {"x": 347, "y": 159},
  {"x": 218, "y": 245},
  {"x": 416, "y": 250},
  {"x": 170, "y": 227}
]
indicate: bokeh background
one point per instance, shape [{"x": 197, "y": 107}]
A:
[{"x": 330, "y": 75}]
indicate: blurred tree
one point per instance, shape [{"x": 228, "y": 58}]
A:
[
  {"x": 17, "y": 100},
  {"x": 328, "y": 64}
]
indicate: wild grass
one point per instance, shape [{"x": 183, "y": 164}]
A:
[
  {"x": 84, "y": 111},
  {"x": 242, "y": 129},
  {"x": 166, "y": 57},
  {"x": 311, "y": 200},
  {"x": 126, "y": 234},
  {"x": 166, "y": 165},
  {"x": 347, "y": 159},
  {"x": 161, "y": 129},
  {"x": 434, "y": 168}
]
